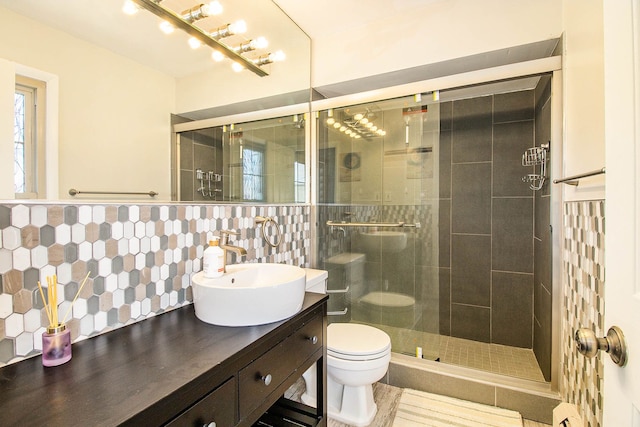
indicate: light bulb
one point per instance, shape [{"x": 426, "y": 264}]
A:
[
  {"x": 337, "y": 125},
  {"x": 357, "y": 137},
  {"x": 238, "y": 27},
  {"x": 364, "y": 120},
  {"x": 373, "y": 128},
  {"x": 343, "y": 128},
  {"x": 259, "y": 43},
  {"x": 381, "y": 132},
  {"x": 368, "y": 125},
  {"x": 194, "y": 43},
  {"x": 217, "y": 56},
  {"x": 166, "y": 27},
  {"x": 358, "y": 117},
  {"x": 213, "y": 8},
  {"x": 237, "y": 67},
  {"x": 331, "y": 121},
  {"x": 130, "y": 8},
  {"x": 277, "y": 56}
]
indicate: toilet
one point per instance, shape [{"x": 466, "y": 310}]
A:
[{"x": 357, "y": 356}]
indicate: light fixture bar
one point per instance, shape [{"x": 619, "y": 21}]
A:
[{"x": 177, "y": 21}]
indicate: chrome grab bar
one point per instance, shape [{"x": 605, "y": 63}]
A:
[
  {"x": 373, "y": 224},
  {"x": 75, "y": 192},
  {"x": 574, "y": 180},
  {"x": 338, "y": 291},
  {"x": 338, "y": 313}
]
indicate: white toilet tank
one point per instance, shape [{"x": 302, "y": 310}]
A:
[{"x": 316, "y": 280}]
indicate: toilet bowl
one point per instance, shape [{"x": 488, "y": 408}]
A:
[{"x": 357, "y": 356}]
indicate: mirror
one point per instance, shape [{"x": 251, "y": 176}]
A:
[
  {"x": 113, "y": 82},
  {"x": 260, "y": 161}
]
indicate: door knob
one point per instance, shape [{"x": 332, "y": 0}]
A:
[{"x": 614, "y": 343}]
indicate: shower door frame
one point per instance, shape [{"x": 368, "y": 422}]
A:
[{"x": 550, "y": 65}]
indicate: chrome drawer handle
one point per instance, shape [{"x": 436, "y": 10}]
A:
[
  {"x": 313, "y": 339},
  {"x": 266, "y": 379}
]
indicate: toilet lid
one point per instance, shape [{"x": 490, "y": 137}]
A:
[
  {"x": 355, "y": 341},
  {"x": 388, "y": 299}
]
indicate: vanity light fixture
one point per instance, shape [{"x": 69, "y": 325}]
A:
[
  {"x": 436, "y": 95},
  {"x": 201, "y": 11},
  {"x": 238, "y": 27},
  {"x": 269, "y": 58},
  {"x": 185, "y": 21},
  {"x": 259, "y": 43}
]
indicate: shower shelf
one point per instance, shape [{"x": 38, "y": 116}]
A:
[{"x": 532, "y": 157}]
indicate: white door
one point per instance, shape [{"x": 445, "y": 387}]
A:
[{"x": 622, "y": 232}]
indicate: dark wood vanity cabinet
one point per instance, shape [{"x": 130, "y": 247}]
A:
[
  {"x": 256, "y": 390},
  {"x": 217, "y": 407},
  {"x": 174, "y": 370}
]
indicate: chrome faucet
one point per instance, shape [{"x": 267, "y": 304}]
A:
[{"x": 225, "y": 246}]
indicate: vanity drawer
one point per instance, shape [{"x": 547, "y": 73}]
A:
[
  {"x": 217, "y": 407},
  {"x": 258, "y": 379}
]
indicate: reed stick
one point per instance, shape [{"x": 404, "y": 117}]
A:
[
  {"x": 76, "y": 297},
  {"x": 45, "y": 303},
  {"x": 55, "y": 301}
]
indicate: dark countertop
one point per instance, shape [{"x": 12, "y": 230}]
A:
[{"x": 141, "y": 374}]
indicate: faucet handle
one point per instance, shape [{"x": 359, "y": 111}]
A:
[{"x": 224, "y": 236}]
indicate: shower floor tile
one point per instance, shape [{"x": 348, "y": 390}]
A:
[
  {"x": 496, "y": 358},
  {"x": 500, "y": 359}
]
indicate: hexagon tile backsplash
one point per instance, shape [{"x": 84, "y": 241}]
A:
[{"x": 140, "y": 259}]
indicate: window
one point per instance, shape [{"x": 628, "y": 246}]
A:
[
  {"x": 28, "y": 131},
  {"x": 253, "y": 174}
]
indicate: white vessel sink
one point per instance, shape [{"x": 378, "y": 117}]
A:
[
  {"x": 249, "y": 294},
  {"x": 383, "y": 241}
]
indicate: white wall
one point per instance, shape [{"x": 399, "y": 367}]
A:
[
  {"x": 114, "y": 114},
  {"x": 7, "y": 89},
  {"x": 583, "y": 86},
  {"x": 413, "y": 33},
  {"x": 418, "y": 33}
]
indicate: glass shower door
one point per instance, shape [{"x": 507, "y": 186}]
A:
[{"x": 378, "y": 218}]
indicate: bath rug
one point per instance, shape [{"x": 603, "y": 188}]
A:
[{"x": 418, "y": 408}]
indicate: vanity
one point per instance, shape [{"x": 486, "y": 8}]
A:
[{"x": 176, "y": 370}]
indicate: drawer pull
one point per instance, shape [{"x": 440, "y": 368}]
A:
[
  {"x": 211, "y": 424},
  {"x": 314, "y": 340},
  {"x": 266, "y": 379}
]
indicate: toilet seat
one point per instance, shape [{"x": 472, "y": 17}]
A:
[{"x": 352, "y": 341}]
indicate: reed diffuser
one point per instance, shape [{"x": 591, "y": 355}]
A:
[{"x": 56, "y": 340}]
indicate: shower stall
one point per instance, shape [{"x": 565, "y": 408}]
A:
[{"x": 434, "y": 223}]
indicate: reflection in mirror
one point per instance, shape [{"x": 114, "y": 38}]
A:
[
  {"x": 113, "y": 82},
  {"x": 260, "y": 162}
]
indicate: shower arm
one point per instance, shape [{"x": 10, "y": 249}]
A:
[{"x": 373, "y": 224}]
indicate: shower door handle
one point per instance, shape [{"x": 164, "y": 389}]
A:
[{"x": 614, "y": 343}]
